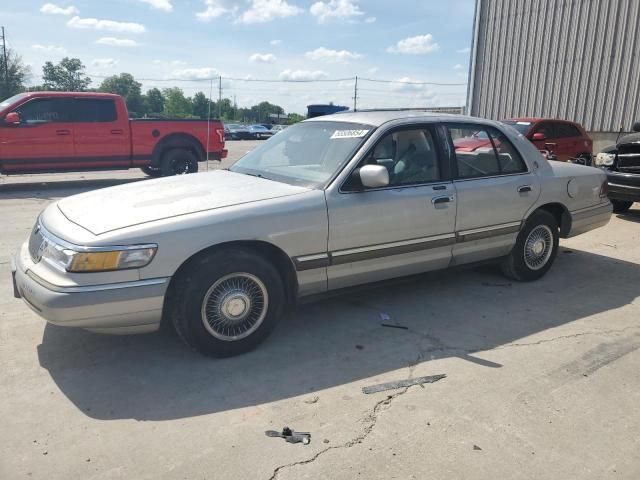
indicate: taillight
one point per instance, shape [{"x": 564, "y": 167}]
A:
[
  {"x": 220, "y": 133},
  {"x": 604, "y": 189}
]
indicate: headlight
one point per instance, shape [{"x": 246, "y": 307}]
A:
[
  {"x": 605, "y": 159},
  {"x": 72, "y": 258}
]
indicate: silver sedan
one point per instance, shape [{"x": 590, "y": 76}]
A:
[{"x": 328, "y": 203}]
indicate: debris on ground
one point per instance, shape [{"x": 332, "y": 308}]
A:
[
  {"x": 476, "y": 447},
  {"x": 290, "y": 435},
  {"x": 402, "y": 383},
  {"x": 312, "y": 400},
  {"x": 384, "y": 317},
  {"x": 489, "y": 284},
  {"x": 391, "y": 325},
  {"x": 359, "y": 347}
]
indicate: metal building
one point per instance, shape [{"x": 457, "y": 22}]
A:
[{"x": 570, "y": 59}]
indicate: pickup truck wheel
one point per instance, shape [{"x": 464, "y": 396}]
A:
[
  {"x": 228, "y": 302},
  {"x": 178, "y": 161},
  {"x": 620, "y": 206},
  {"x": 151, "y": 171},
  {"x": 535, "y": 249}
]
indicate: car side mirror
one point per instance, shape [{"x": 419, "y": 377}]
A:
[
  {"x": 539, "y": 136},
  {"x": 636, "y": 127},
  {"x": 374, "y": 176},
  {"x": 12, "y": 118}
]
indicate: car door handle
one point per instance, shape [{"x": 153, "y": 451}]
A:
[
  {"x": 442, "y": 199},
  {"x": 524, "y": 188},
  {"x": 63, "y": 132},
  {"x": 117, "y": 131}
]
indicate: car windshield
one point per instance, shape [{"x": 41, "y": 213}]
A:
[
  {"x": 306, "y": 154},
  {"x": 522, "y": 127},
  {"x": 11, "y": 100}
]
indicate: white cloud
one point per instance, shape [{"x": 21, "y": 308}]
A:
[
  {"x": 117, "y": 42},
  {"x": 275, "y": 42},
  {"x": 458, "y": 66},
  {"x": 332, "y": 55},
  {"x": 215, "y": 9},
  {"x": 263, "y": 11},
  {"x": 110, "y": 25},
  {"x": 302, "y": 75},
  {"x": 49, "y": 48},
  {"x": 370, "y": 19},
  {"x": 164, "y": 5},
  {"x": 204, "y": 73},
  {"x": 262, "y": 58},
  {"x": 464, "y": 50},
  {"x": 340, "y": 9},
  {"x": 372, "y": 70},
  {"x": 52, "y": 9},
  {"x": 418, "y": 45},
  {"x": 104, "y": 62}
]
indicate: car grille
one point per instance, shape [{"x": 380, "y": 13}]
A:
[
  {"x": 629, "y": 157},
  {"x": 35, "y": 242}
]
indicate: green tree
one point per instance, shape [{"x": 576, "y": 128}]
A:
[
  {"x": 295, "y": 118},
  {"x": 154, "y": 101},
  {"x": 200, "y": 105},
  {"x": 175, "y": 103},
  {"x": 17, "y": 74},
  {"x": 68, "y": 75},
  {"x": 126, "y": 86}
]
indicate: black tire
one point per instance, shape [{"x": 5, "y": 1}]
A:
[
  {"x": 178, "y": 161},
  {"x": 151, "y": 171},
  {"x": 621, "y": 206},
  {"x": 536, "y": 264},
  {"x": 199, "y": 303}
]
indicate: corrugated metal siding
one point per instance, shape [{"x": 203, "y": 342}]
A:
[{"x": 577, "y": 60}]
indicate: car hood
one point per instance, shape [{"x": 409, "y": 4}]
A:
[{"x": 108, "y": 209}]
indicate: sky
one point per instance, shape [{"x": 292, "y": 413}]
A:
[{"x": 184, "y": 43}]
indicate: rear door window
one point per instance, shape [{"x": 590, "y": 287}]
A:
[
  {"x": 45, "y": 110},
  {"x": 94, "y": 110}
]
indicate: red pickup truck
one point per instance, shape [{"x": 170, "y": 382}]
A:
[{"x": 71, "y": 131}]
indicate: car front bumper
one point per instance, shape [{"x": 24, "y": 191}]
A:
[
  {"x": 118, "y": 308},
  {"x": 623, "y": 186}
]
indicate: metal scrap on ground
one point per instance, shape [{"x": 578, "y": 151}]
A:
[
  {"x": 290, "y": 435},
  {"x": 381, "y": 387}
]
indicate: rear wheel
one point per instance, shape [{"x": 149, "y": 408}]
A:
[
  {"x": 151, "y": 171},
  {"x": 620, "y": 206},
  {"x": 535, "y": 249},
  {"x": 227, "y": 302},
  {"x": 178, "y": 161}
]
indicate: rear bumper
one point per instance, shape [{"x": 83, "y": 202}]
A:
[
  {"x": 219, "y": 155},
  {"x": 590, "y": 218},
  {"x": 119, "y": 308},
  {"x": 623, "y": 186}
]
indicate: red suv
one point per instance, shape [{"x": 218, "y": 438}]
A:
[{"x": 567, "y": 140}]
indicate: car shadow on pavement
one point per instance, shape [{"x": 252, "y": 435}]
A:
[
  {"x": 334, "y": 341},
  {"x": 60, "y": 188},
  {"x": 632, "y": 215}
]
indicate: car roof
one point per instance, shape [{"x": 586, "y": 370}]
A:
[
  {"x": 71, "y": 94},
  {"x": 376, "y": 118},
  {"x": 538, "y": 119}
]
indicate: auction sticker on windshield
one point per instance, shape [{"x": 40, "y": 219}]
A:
[{"x": 349, "y": 133}]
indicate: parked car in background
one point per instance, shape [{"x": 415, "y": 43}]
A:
[
  {"x": 568, "y": 140},
  {"x": 621, "y": 162},
  {"x": 331, "y": 202},
  {"x": 237, "y": 131},
  {"x": 260, "y": 132},
  {"x": 278, "y": 128},
  {"x": 73, "y": 131}
]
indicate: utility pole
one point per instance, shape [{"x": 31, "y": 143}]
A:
[
  {"x": 6, "y": 64},
  {"x": 220, "y": 96},
  {"x": 235, "y": 107},
  {"x": 355, "y": 96}
]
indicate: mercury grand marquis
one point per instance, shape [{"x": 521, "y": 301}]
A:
[{"x": 328, "y": 203}]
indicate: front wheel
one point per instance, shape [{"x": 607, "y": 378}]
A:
[
  {"x": 535, "y": 249},
  {"x": 227, "y": 302},
  {"x": 620, "y": 206},
  {"x": 178, "y": 161}
]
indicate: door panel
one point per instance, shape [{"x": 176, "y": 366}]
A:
[
  {"x": 43, "y": 140},
  {"x": 101, "y": 138}
]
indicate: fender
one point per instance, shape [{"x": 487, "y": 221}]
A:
[{"x": 177, "y": 140}]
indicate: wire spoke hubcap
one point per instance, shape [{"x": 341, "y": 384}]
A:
[
  {"x": 538, "y": 247},
  {"x": 235, "y": 306}
]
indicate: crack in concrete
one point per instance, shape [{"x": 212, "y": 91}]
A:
[{"x": 564, "y": 337}]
